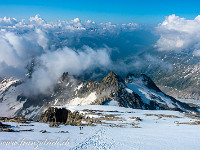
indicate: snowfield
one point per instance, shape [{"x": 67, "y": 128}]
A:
[
  {"x": 155, "y": 129},
  {"x": 83, "y": 101}
]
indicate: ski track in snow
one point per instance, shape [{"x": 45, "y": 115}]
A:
[{"x": 97, "y": 141}]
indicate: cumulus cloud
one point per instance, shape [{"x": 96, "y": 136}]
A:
[
  {"x": 8, "y": 21},
  {"x": 17, "y": 51},
  {"x": 179, "y": 34}
]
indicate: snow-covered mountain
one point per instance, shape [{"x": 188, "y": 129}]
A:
[
  {"x": 136, "y": 91},
  {"x": 151, "y": 95}
]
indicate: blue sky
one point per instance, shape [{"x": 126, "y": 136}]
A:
[{"x": 117, "y": 11}]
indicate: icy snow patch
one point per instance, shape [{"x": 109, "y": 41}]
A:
[
  {"x": 113, "y": 103},
  {"x": 83, "y": 101},
  {"x": 6, "y": 83},
  {"x": 129, "y": 90},
  {"x": 80, "y": 86}
]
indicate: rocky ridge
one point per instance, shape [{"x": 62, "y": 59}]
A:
[{"x": 137, "y": 91}]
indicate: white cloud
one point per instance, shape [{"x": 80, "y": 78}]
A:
[
  {"x": 7, "y": 21},
  {"x": 17, "y": 51},
  {"x": 37, "y": 20},
  {"x": 52, "y": 65},
  {"x": 76, "y": 20},
  {"x": 179, "y": 34}
]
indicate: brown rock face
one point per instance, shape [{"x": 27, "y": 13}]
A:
[
  {"x": 55, "y": 115},
  {"x": 114, "y": 87}
]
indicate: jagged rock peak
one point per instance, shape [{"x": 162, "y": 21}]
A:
[
  {"x": 64, "y": 76},
  {"x": 112, "y": 79}
]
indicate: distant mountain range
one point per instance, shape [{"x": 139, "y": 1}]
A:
[{"x": 183, "y": 81}]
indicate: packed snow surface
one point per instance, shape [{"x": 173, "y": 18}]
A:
[{"x": 151, "y": 133}]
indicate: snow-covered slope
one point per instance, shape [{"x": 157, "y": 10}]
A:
[
  {"x": 154, "y": 130},
  {"x": 83, "y": 101},
  {"x": 10, "y": 89}
]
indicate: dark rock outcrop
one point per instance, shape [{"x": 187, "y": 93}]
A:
[
  {"x": 2, "y": 125},
  {"x": 55, "y": 116},
  {"x": 16, "y": 119}
]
